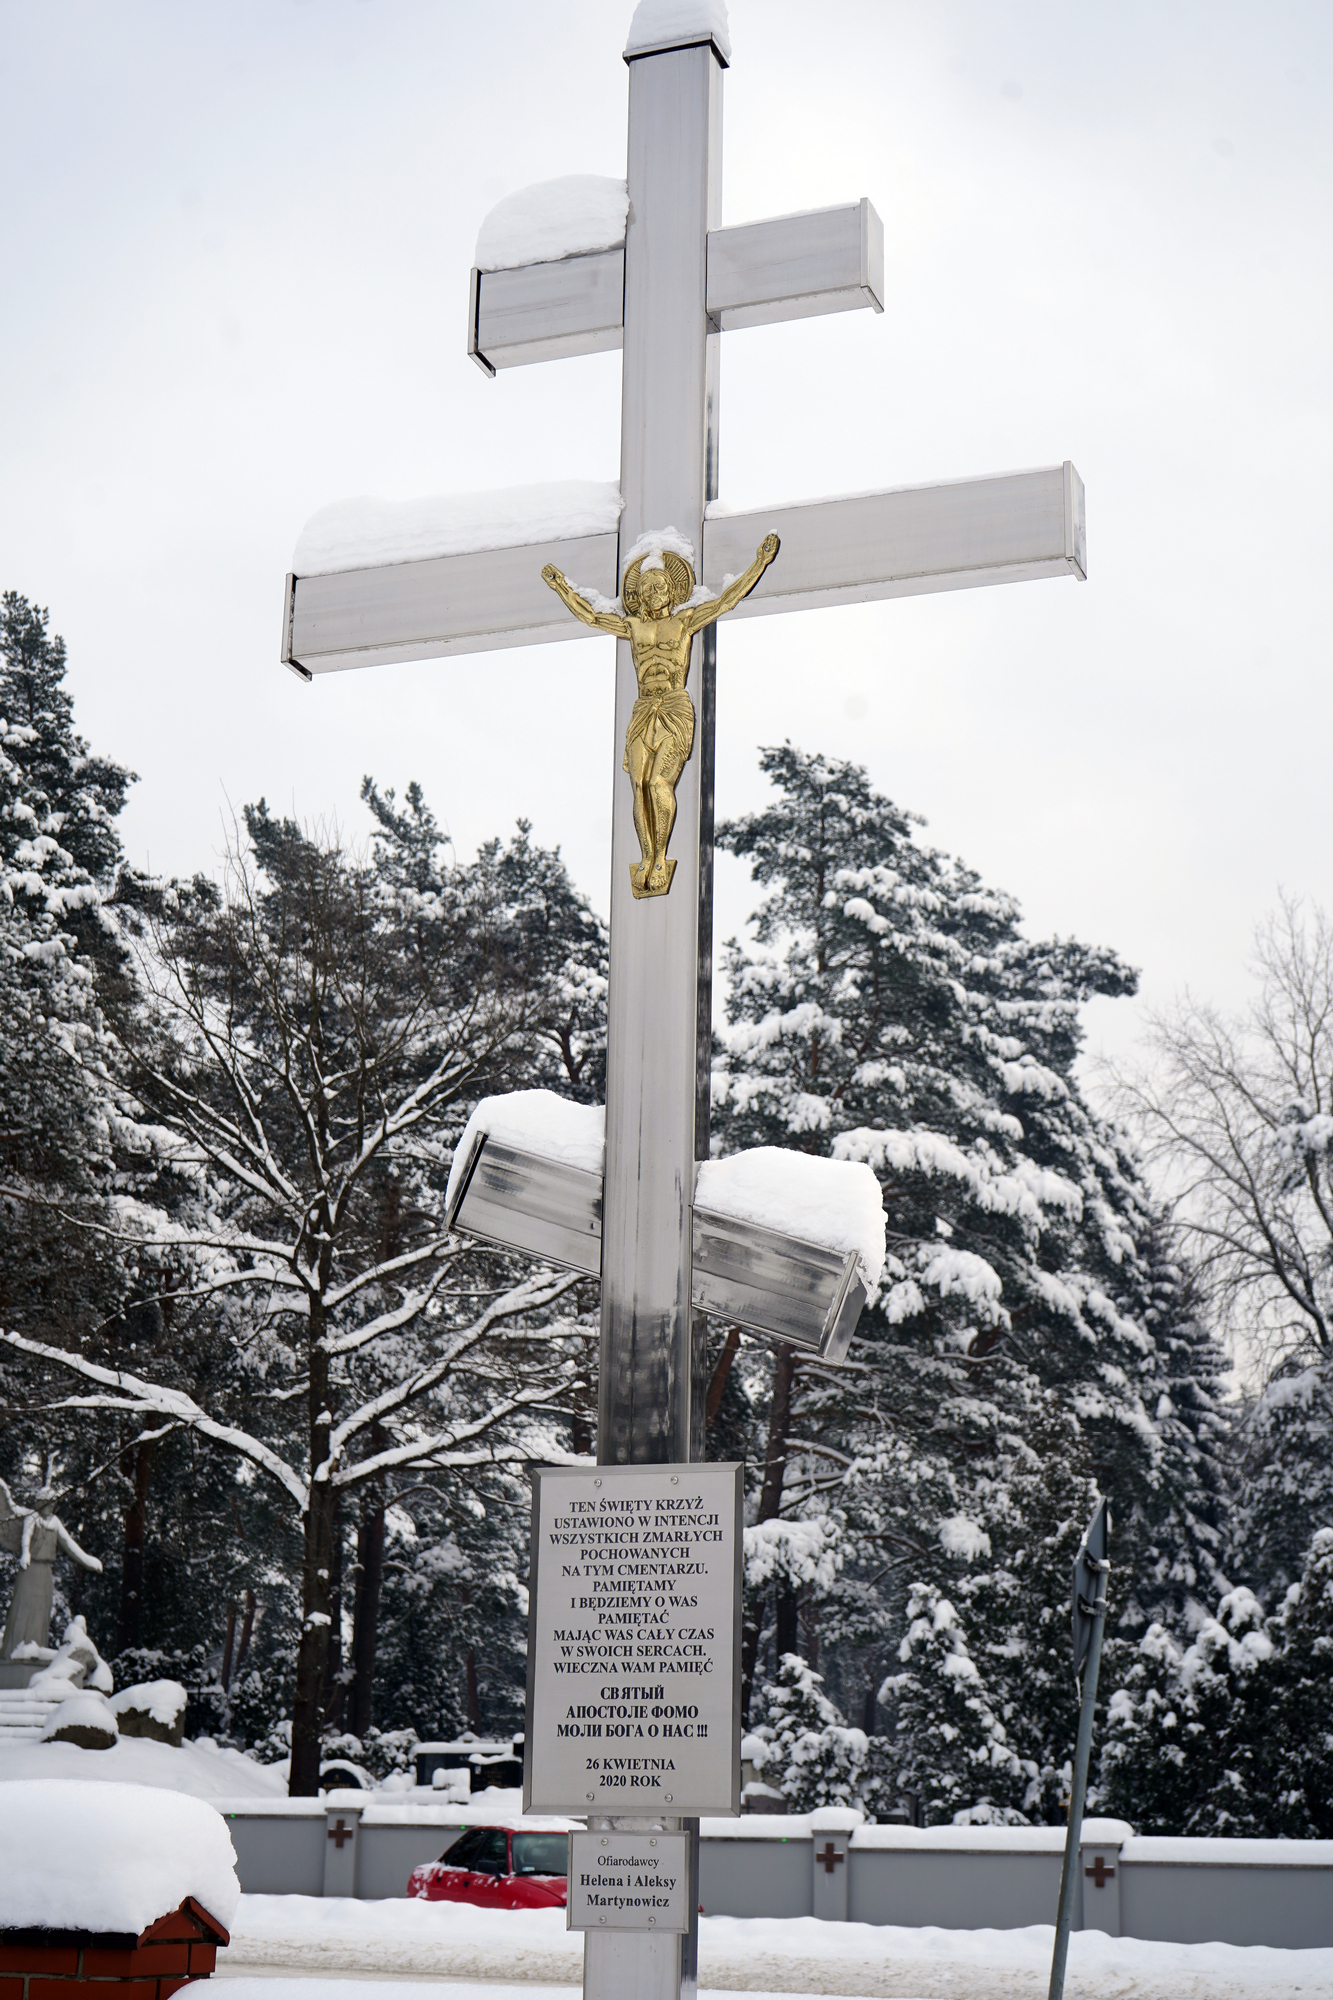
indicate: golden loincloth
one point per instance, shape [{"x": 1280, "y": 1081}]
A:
[{"x": 662, "y": 721}]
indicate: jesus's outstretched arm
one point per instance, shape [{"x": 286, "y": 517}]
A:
[
  {"x": 704, "y": 614},
  {"x": 602, "y": 621}
]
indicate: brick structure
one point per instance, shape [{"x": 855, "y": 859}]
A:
[{"x": 65, "y": 1965}]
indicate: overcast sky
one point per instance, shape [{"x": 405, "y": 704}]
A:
[{"x": 236, "y": 241}]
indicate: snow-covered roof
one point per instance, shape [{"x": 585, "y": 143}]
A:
[{"x": 78, "y": 1855}]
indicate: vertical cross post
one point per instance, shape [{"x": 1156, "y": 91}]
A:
[
  {"x": 656, "y": 1039},
  {"x": 659, "y": 1000}
]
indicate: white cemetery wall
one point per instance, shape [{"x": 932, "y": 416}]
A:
[
  {"x": 633, "y": 1640},
  {"x": 1178, "y": 1891},
  {"x": 279, "y": 1845}
]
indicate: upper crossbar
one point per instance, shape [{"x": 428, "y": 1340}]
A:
[{"x": 824, "y": 260}]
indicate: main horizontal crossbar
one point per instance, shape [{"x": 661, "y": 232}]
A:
[
  {"x": 792, "y": 267},
  {"x": 1008, "y": 528},
  {"x": 1011, "y": 528}
]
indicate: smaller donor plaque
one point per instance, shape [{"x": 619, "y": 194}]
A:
[{"x": 628, "y": 1882}]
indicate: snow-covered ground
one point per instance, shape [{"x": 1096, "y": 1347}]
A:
[
  {"x": 247, "y": 1988},
  {"x": 201, "y": 1769},
  {"x": 337, "y": 1938},
  {"x": 348, "y": 1989}
]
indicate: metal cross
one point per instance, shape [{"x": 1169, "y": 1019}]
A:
[
  {"x": 1100, "y": 1873},
  {"x": 666, "y": 297},
  {"x": 830, "y": 1857},
  {"x": 340, "y": 1833}
]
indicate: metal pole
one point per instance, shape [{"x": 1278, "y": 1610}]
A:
[
  {"x": 668, "y": 415},
  {"x": 1078, "y": 1791},
  {"x": 659, "y": 1021}
]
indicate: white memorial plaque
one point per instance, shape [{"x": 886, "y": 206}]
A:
[
  {"x": 628, "y": 1882},
  {"x": 634, "y": 1640}
]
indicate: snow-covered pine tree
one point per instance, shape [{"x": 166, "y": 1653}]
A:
[
  {"x": 58, "y": 836},
  {"x": 1185, "y": 1749},
  {"x": 1285, "y": 1482},
  {"x": 1233, "y": 1734},
  {"x": 453, "y": 1629},
  {"x": 58, "y": 853},
  {"x": 810, "y": 1754},
  {"x": 68, "y": 1269},
  {"x": 552, "y": 926},
  {"x": 1171, "y": 1547},
  {"x": 889, "y": 1009},
  {"x": 1005, "y": 1641},
  {"x": 949, "y": 1756},
  {"x": 1291, "y": 1714}
]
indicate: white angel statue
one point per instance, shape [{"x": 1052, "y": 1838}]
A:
[{"x": 36, "y": 1536}]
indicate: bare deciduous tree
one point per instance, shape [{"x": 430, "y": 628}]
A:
[
  {"x": 1239, "y": 1112},
  {"x": 303, "y": 1045}
]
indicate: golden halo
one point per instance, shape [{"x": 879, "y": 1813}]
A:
[{"x": 679, "y": 575}]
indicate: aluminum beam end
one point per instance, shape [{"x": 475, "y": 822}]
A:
[
  {"x": 288, "y": 619},
  {"x": 474, "y": 324},
  {"x": 1076, "y": 523}
]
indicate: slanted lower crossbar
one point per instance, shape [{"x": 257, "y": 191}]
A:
[{"x": 778, "y": 1285}]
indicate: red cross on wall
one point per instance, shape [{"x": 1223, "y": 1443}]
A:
[
  {"x": 1100, "y": 1873},
  {"x": 830, "y": 1857},
  {"x": 340, "y": 1833}
]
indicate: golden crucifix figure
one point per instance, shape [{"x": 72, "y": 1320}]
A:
[{"x": 660, "y": 736}]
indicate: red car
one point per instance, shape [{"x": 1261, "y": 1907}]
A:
[{"x": 498, "y": 1869}]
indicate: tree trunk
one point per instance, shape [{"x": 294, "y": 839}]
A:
[
  {"x": 808, "y": 1629},
  {"x": 247, "y": 1629},
  {"x": 786, "y": 1638},
  {"x": 779, "y": 1430},
  {"x": 473, "y": 1699},
  {"x": 717, "y": 1384},
  {"x": 229, "y": 1643},
  {"x": 770, "y": 1505},
  {"x": 335, "y": 1688},
  {"x": 366, "y": 1609},
  {"x": 312, "y": 1653},
  {"x": 135, "y": 1467}
]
